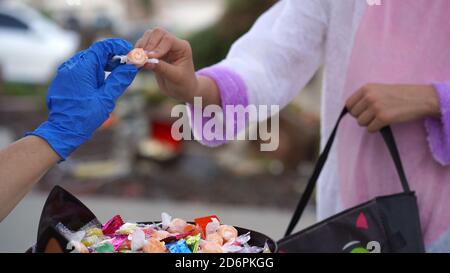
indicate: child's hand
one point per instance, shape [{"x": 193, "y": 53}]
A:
[
  {"x": 175, "y": 73},
  {"x": 379, "y": 105}
]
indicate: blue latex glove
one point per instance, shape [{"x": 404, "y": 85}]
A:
[{"x": 80, "y": 100}]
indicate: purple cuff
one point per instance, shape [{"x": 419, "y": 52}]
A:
[
  {"x": 233, "y": 92},
  {"x": 439, "y": 129}
]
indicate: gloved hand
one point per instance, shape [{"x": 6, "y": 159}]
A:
[{"x": 80, "y": 99}]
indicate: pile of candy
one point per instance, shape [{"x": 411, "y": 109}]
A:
[{"x": 175, "y": 235}]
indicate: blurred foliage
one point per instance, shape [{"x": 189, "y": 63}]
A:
[{"x": 211, "y": 45}]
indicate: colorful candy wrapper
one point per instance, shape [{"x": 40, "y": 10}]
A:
[
  {"x": 77, "y": 247},
  {"x": 90, "y": 241},
  {"x": 243, "y": 239},
  {"x": 193, "y": 242},
  {"x": 118, "y": 241},
  {"x": 178, "y": 247},
  {"x": 110, "y": 227},
  {"x": 137, "y": 240},
  {"x": 165, "y": 220},
  {"x": 94, "y": 231},
  {"x": 127, "y": 229},
  {"x": 266, "y": 248},
  {"x": 212, "y": 226},
  {"x": 203, "y": 221},
  {"x": 105, "y": 247}
]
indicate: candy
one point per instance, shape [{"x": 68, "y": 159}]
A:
[
  {"x": 154, "y": 246},
  {"x": 215, "y": 237},
  {"x": 91, "y": 240},
  {"x": 177, "y": 225},
  {"x": 173, "y": 235},
  {"x": 179, "y": 247},
  {"x": 94, "y": 231},
  {"x": 138, "y": 57},
  {"x": 160, "y": 234},
  {"x": 203, "y": 221},
  {"x": 137, "y": 240},
  {"x": 110, "y": 227},
  {"x": 192, "y": 230},
  {"x": 119, "y": 241},
  {"x": 193, "y": 242},
  {"x": 212, "y": 226},
  {"x": 127, "y": 229},
  {"x": 228, "y": 233},
  {"x": 106, "y": 247},
  {"x": 165, "y": 220},
  {"x": 210, "y": 247},
  {"x": 77, "y": 247}
]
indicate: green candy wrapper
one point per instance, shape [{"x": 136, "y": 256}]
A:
[
  {"x": 193, "y": 242},
  {"x": 105, "y": 248}
]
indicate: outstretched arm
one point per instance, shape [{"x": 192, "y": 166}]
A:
[
  {"x": 79, "y": 101},
  {"x": 22, "y": 164}
]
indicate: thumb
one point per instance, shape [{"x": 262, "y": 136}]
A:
[{"x": 118, "y": 81}]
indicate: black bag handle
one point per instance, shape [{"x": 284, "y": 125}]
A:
[{"x": 388, "y": 137}]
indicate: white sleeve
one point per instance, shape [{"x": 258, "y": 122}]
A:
[{"x": 281, "y": 52}]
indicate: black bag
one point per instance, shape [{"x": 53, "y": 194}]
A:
[{"x": 388, "y": 224}]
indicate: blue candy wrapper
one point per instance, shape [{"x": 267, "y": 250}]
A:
[{"x": 178, "y": 247}]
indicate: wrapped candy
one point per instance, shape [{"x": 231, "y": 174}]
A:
[
  {"x": 127, "y": 229},
  {"x": 177, "y": 225},
  {"x": 137, "y": 57},
  {"x": 192, "y": 230},
  {"x": 173, "y": 235},
  {"x": 202, "y": 222},
  {"x": 160, "y": 234},
  {"x": 137, "y": 240},
  {"x": 228, "y": 233},
  {"x": 215, "y": 237},
  {"x": 118, "y": 241},
  {"x": 193, "y": 242},
  {"x": 91, "y": 240},
  {"x": 179, "y": 247},
  {"x": 210, "y": 247},
  {"x": 94, "y": 232},
  {"x": 105, "y": 247},
  {"x": 212, "y": 226},
  {"x": 165, "y": 220},
  {"x": 154, "y": 246},
  {"x": 110, "y": 227},
  {"x": 77, "y": 247}
]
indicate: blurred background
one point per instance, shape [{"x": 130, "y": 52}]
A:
[{"x": 132, "y": 165}]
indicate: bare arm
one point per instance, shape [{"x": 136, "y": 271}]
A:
[{"x": 22, "y": 164}]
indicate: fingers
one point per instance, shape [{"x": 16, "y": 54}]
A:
[
  {"x": 354, "y": 99},
  {"x": 118, "y": 81},
  {"x": 106, "y": 49},
  {"x": 360, "y": 105},
  {"x": 159, "y": 43},
  {"x": 150, "y": 39},
  {"x": 366, "y": 118},
  {"x": 166, "y": 70},
  {"x": 375, "y": 126}
]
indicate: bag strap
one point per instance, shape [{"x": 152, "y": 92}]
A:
[{"x": 390, "y": 143}]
